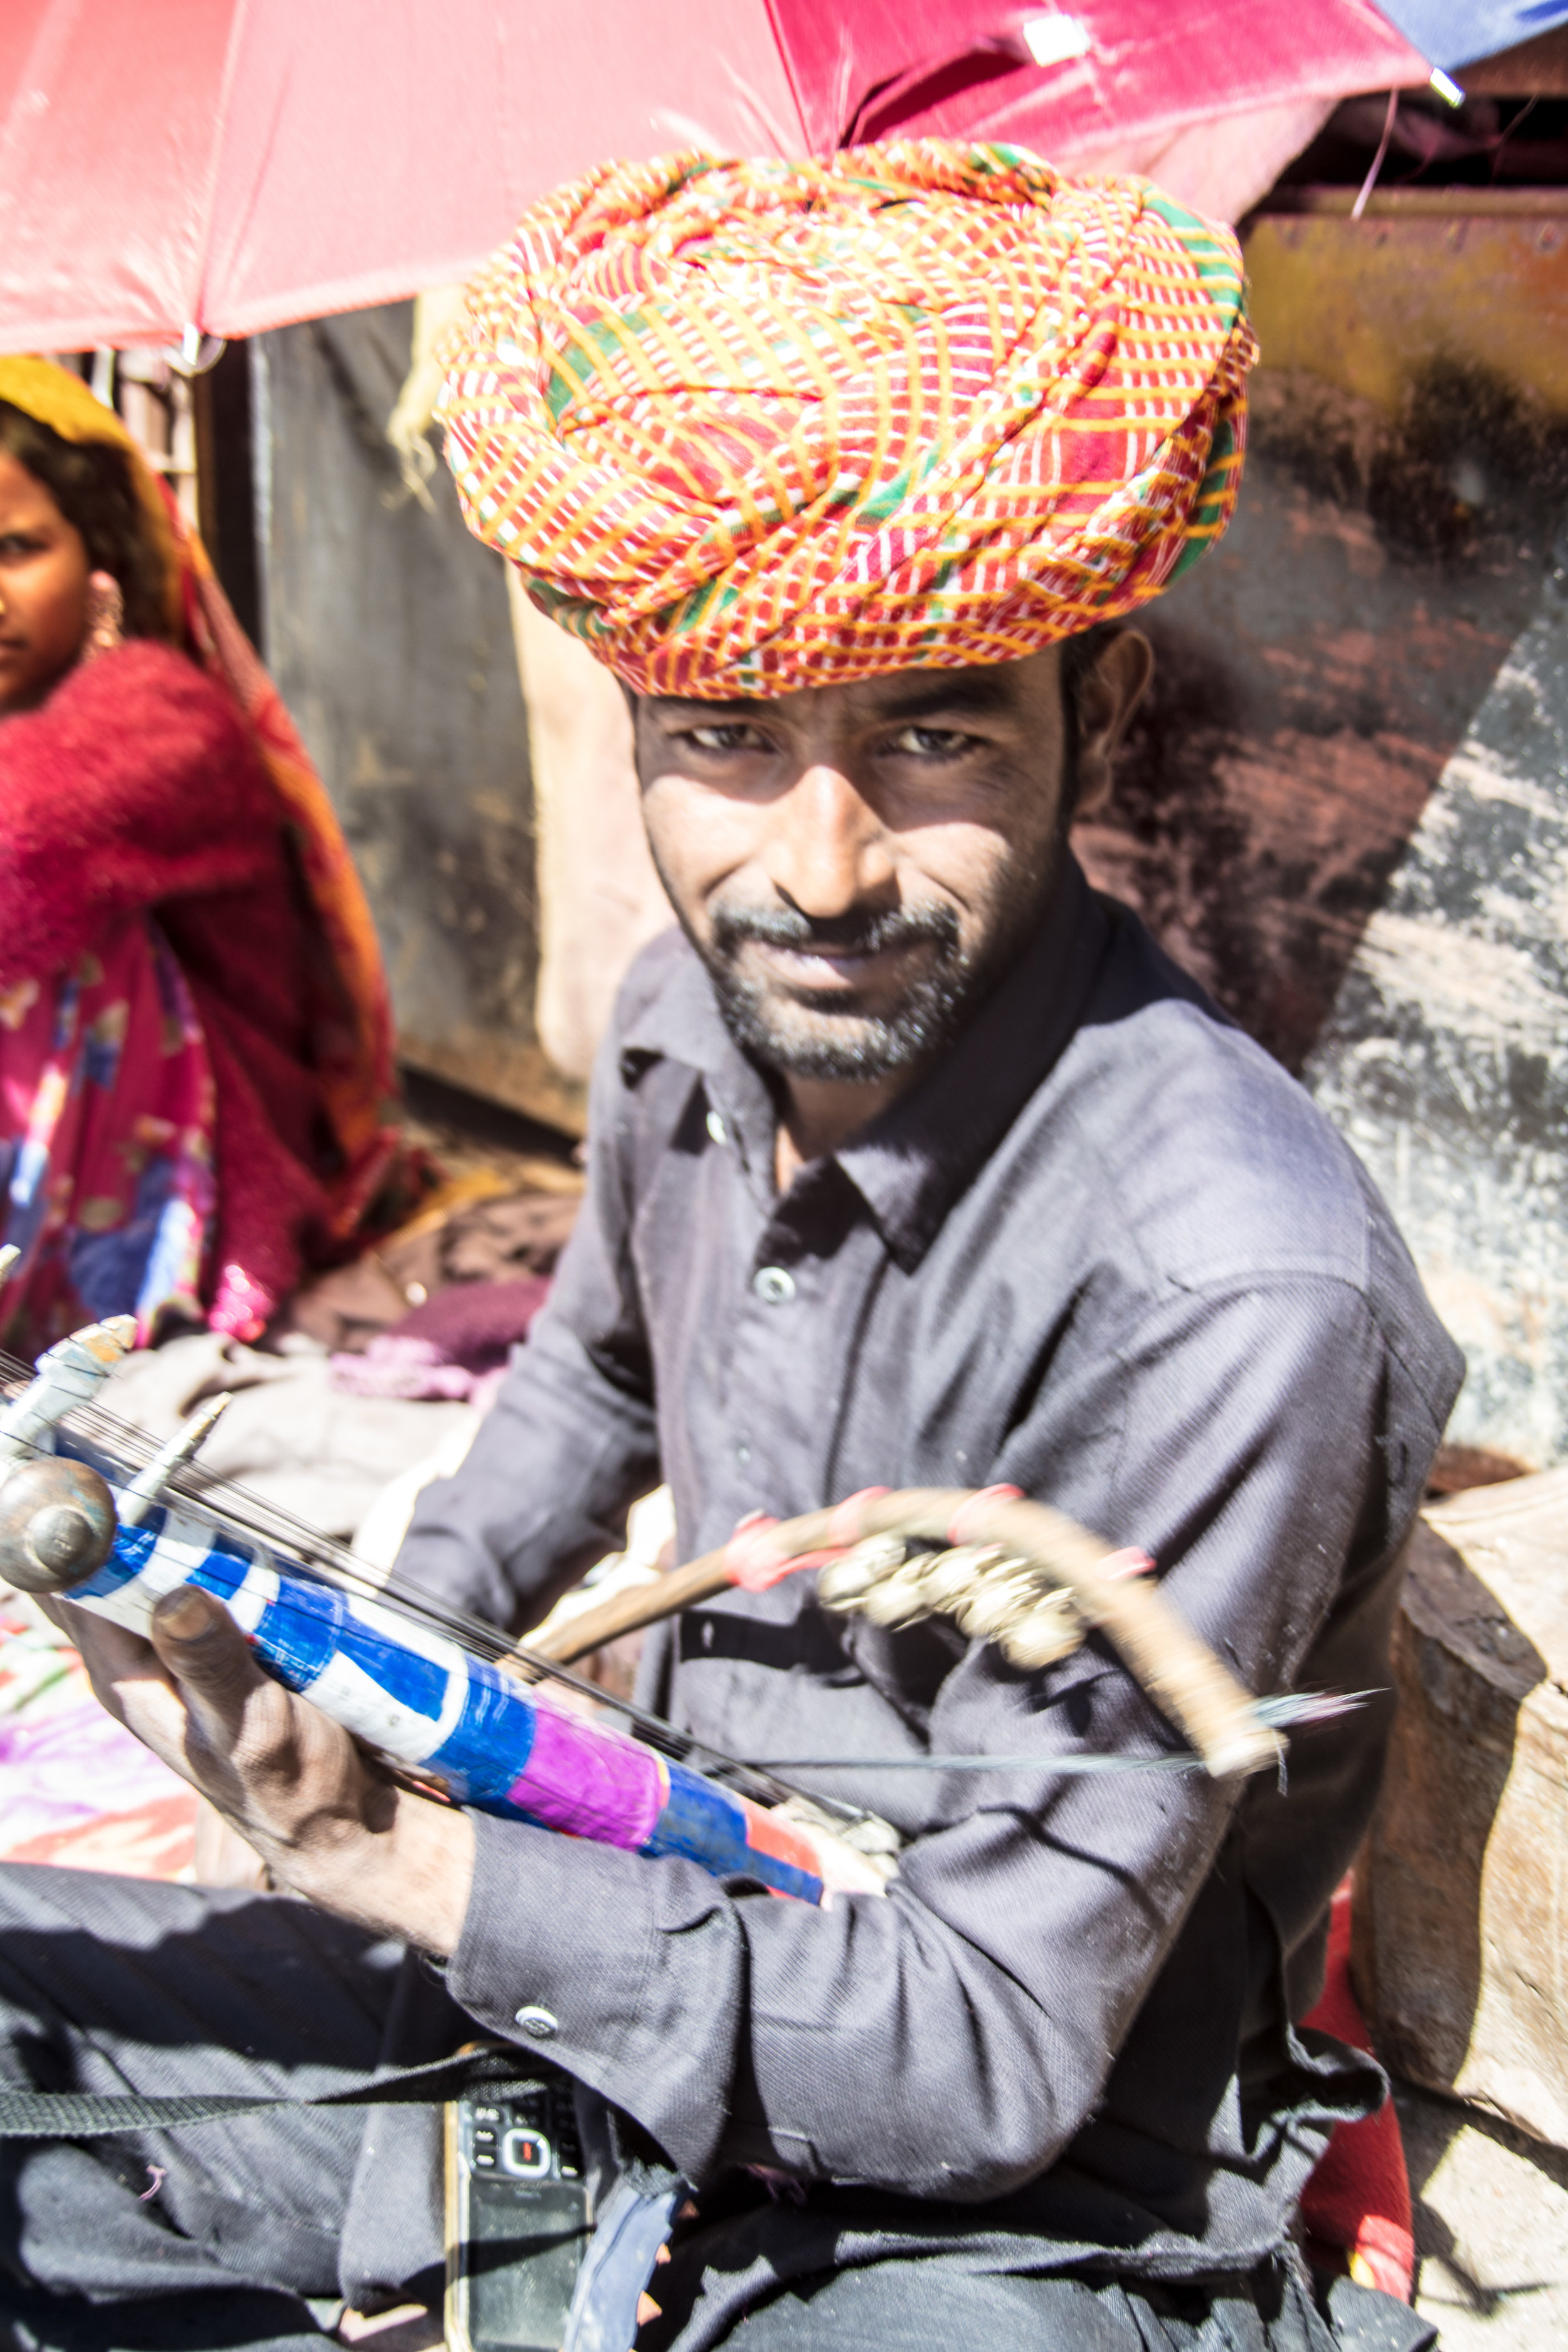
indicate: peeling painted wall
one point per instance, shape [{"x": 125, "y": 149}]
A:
[
  {"x": 1346, "y": 808},
  {"x": 1446, "y": 1058}
]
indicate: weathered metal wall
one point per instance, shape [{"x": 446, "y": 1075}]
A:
[
  {"x": 387, "y": 629},
  {"x": 1347, "y": 808}
]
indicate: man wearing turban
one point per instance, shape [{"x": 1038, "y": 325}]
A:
[{"x": 912, "y": 1162}]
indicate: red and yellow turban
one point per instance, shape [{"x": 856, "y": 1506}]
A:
[{"x": 748, "y": 427}]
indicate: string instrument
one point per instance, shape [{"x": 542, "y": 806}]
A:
[{"x": 91, "y": 1509}]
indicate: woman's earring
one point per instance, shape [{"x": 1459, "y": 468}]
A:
[{"x": 105, "y": 615}]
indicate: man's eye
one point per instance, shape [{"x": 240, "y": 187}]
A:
[
  {"x": 931, "y": 743},
  {"x": 735, "y": 738}
]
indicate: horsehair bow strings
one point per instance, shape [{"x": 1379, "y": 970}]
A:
[
  {"x": 1286, "y": 1711},
  {"x": 221, "y": 1502},
  {"x": 1010, "y": 1570}
]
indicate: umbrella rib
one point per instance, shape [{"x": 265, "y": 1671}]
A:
[{"x": 238, "y": 25}]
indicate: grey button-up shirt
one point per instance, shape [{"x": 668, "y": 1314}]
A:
[{"x": 1106, "y": 1251}]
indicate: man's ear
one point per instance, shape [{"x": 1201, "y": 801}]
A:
[{"x": 1107, "y": 695}]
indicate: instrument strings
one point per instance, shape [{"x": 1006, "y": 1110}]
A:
[{"x": 227, "y": 1507}]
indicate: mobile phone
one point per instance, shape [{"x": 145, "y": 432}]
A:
[{"x": 518, "y": 2214}]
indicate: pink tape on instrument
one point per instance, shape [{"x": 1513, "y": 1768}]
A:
[
  {"x": 754, "y": 1563},
  {"x": 961, "y": 1527},
  {"x": 1118, "y": 1564}
]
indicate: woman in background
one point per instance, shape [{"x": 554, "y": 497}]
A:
[{"x": 195, "y": 1064}]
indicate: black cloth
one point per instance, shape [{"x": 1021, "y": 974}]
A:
[
  {"x": 220, "y": 2234},
  {"x": 1109, "y": 1252},
  {"x": 889, "y": 2308},
  {"x": 247, "y": 2233},
  {"x": 250, "y": 2232}
]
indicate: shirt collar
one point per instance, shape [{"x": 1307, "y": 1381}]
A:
[
  {"x": 912, "y": 1163},
  {"x": 683, "y": 1023}
]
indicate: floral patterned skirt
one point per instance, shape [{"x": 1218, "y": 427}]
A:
[{"x": 106, "y": 1142}]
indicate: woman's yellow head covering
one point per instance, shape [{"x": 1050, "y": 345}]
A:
[{"x": 52, "y": 395}]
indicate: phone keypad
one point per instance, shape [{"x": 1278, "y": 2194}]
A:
[{"x": 529, "y": 2134}]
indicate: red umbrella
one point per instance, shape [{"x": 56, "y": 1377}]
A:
[{"x": 226, "y": 166}]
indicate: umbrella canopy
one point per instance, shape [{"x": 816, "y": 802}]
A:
[
  {"x": 1459, "y": 32},
  {"x": 232, "y": 165}
]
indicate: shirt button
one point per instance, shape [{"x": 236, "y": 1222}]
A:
[
  {"x": 717, "y": 1128},
  {"x": 773, "y": 1285},
  {"x": 537, "y": 2024}
]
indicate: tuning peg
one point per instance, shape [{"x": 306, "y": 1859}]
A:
[
  {"x": 138, "y": 1499},
  {"x": 67, "y": 1375},
  {"x": 56, "y": 1525}
]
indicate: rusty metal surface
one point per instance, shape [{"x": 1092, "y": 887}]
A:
[
  {"x": 1347, "y": 806},
  {"x": 1365, "y": 305}
]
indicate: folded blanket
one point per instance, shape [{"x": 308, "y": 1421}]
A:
[
  {"x": 76, "y": 1787},
  {"x": 291, "y": 1435},
  {"x": 447, "y": 1346}
]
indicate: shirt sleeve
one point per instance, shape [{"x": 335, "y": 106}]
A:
[
  {"x": 946, "y": 2041},
  {"x": 136, "y": 783},
  {"x": 570, "y": 1443}
]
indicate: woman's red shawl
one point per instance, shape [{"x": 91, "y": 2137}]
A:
[{"x": 142, "y": 785}]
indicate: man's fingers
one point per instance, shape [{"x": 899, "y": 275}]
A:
[
  {"x": 114, "y": 1657},
  {"x": 203, "y": 1649},
  {"x": 286, "y": 1778}
]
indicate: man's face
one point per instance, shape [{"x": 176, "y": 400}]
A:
[{"x": 857, "y": 864}]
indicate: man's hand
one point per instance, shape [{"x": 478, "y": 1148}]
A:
[{"x": 328, "y": 1823}]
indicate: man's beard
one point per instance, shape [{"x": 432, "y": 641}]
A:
[{"x": 817, "y": 1033}]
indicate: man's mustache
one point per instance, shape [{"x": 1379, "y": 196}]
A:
[{"x": 866, "y": 932}]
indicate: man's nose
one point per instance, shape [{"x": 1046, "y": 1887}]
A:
[{"x": 827, "y": 849}]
